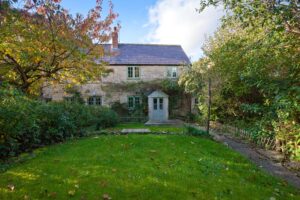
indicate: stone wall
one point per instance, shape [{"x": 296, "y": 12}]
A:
[
  {"x": 147, "y": 73},
  {"x": 119, "y": 75}
]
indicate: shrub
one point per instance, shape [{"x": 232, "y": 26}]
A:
[
  {"x": 26, "y": 123},
  {"x": 190, "y": 130},
  {"x": 104, "y": 117}
]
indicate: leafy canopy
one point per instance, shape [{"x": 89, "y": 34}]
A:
[{"x": 43, "y": 42}]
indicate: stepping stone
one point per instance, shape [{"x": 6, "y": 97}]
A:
[{"x": 136, "y": 130}]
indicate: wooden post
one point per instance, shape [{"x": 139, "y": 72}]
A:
[{"x": 209, "y": 105}]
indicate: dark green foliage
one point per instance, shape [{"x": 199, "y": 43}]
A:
[
  {"x": 177, "y": 97},
  {"x": 137, "y": 114},
  {"x": 26, "y": 123},
  {"x": 253, "y": 61},
  {"x": 104, "y": 117},
  {"x": 190, "y": 130}
]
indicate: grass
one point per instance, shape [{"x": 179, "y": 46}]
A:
[{"x": 140, "y": 167}]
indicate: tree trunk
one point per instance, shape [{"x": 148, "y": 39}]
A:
[{"x": 209, "y": 105}]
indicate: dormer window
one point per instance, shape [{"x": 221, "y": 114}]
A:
[
  {"x": 133, "y": 72},
  {"x": 172, "y": 72}
]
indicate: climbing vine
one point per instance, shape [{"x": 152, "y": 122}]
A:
[{"x": 176, "y": 93}]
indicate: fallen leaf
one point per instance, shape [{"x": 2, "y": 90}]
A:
[
  {"x": 103, "y": 183},
  {"x": 106, "y": 197},
  {"x": 11, "y": 187},
  {"x": 26, "y": 197},
  {"x": 114, "y": 170},
  {"x": 71, "y": 192},
  {"x": 52, "y": 194}
]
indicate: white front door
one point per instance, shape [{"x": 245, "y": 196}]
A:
[{"x": 158, "y": 109}]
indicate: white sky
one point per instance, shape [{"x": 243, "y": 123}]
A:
[{"x": 178, "y": 22}]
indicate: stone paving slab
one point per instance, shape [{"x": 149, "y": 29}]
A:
[
  {"x": 167, "y": 122},
  {"x": 136, "y": 130}
]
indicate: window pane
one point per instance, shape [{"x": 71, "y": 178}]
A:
[
  {"x": 169, "y": 72},
  {"x": 136, "y": 101},
  {"x": 155, "y": 103},
  {"x": 174, "y": 72},
  {"x": 98, "y": 101},
  {"x": 91, "y": 100},
  {"x": 48, "y": 99},
  {"x": 130, "y": 72},
  {"x": 137, "y": 72},
  {"x": 130, "y": 102},
  {"x": 161, "y": 103}
]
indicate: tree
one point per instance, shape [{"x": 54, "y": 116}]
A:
[
  {"x": 284, "y": 14},
  {"x": 43, "y": 42},
  {"x": 255, "y": 81}
]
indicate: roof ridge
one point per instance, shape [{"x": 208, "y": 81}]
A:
[{"x": 177, "y": 45}]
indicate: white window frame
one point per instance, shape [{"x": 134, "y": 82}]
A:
[
  {"x": 172, "y": 72},
  {"x": 135, "y": 72}
]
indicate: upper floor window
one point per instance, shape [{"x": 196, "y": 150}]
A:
[
  {"x": 133, "y": 102},
  {"x": 196, "y": 101},
  {"x": 133, "y": 72},
  {"x": 95, "y": 100},
  {"x": 172, "y": 72}
]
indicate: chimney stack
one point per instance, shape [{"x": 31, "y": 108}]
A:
[{"x": 115, "y": 38}]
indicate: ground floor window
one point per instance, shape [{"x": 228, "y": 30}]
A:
[
  {"x": 47, "y": 99},
  {"x": 95, "y": 100},
  {"x": 133, "y": 101},
  {"x": 69, "y": 99}
]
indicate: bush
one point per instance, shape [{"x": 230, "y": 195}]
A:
[
  {"x": 104, "y": 117},
  {"x": 26, "y": 123},
  {"x": 190, "y": 130}
]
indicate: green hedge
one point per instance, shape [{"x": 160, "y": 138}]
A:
[
  {"x": 190, "y": 130},
  {"x": 26, "y": 124}
]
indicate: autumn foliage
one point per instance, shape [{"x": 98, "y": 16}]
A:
[{"x": 43, "y": 42}]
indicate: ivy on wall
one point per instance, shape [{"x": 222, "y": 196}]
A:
[{"x": 143, "y": 89}]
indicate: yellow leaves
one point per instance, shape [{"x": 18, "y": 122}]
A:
[
  {"x": 106, "y": 197},
  {"x": 11, "y": 187},
  {"x": 71, "y": 192}
]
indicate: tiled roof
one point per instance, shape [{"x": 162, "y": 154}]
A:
[{"x": 147, "y": 54}]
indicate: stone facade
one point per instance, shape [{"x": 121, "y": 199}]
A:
[
  {"x": 118, "y": 75},
  {"x": 147, "y": 73}
]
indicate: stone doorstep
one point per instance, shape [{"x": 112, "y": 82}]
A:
[
  {"x": 136, "y": 130},
  {"x": 173, "y": 122}
]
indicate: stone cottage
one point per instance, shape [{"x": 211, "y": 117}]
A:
[{"x": 138, "y": 71}]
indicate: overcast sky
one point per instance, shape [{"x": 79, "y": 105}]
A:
[{"x": 160, "y": 21}]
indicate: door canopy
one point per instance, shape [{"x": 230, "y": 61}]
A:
[{"x": 158, "y": 93}]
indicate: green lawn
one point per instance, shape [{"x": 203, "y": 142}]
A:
[{"x": 140, "y": 167}]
